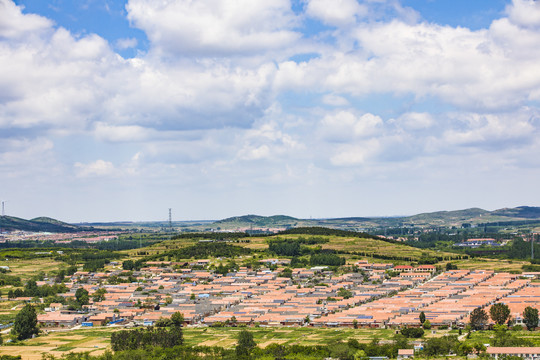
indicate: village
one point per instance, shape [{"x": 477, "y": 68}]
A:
[{"x": 376, "y": 296}]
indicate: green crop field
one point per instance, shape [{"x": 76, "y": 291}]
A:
[{"x": 355, "y": 246}]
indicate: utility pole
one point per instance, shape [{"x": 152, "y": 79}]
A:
[{"x": 532, "y": 246}]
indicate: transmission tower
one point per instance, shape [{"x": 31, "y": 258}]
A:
[{"x": 170, "y": 219}]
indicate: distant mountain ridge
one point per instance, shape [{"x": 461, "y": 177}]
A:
[
  {"x": 434, "y": 219},
  {"x": 527, "y": 212},
  {"x": 259, "y": 221},
  {"x": 438, "y": 218},
  {"x": 40, "y": 224}
]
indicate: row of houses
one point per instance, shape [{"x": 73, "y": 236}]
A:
[{"x": 312, "y": 297}]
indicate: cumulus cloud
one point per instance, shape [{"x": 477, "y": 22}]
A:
[
  {"x": 415, "y": 120},
  {"x": 345, "y": 126},
  {"x": 61, "y": 83},
  {"x": 492, "y": 131},
  {"x": 336, "y": 12},
  {"x": 486, "y": 69},
  {"x": 126, "y": 133},
  {"x": 16, "y": 26},
  {"x": 215, "y": 27},
  {"x": 334, "y": 100},
  {"x": 98, "y": 168},
  {"x": 266, "y": 141},
  {"x": 126, "y": 43},
  {"x": 524, "y": 13},
  {"x": 218, "y": 95},
  {"x": 354, "y": 155},
  {"x": 23, "y": 151}
]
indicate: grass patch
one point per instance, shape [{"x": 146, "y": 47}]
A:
[
  {"x": 227, "y": 337},
  {"x": 65, "y": 348},
  {"x": 359, "y": 246}
]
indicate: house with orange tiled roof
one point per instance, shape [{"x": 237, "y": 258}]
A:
[
  {"x": 526, "y": 353},
  {"x": 403, "y": 268},
  {"x": 57, "y": 318},
  {"x": 102, "y": 318},
  {"x": 425, "y": 268}
]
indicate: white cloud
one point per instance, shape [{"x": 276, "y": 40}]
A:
[
  {"x": 335, "y": 100},
  {"x": 16, "y": 26},
  {"x": 126, "y": 43},
  {"x": 336, "y": 12},
  {"x": 24, "y": 152},
  {"x": 354, "y": 155},
  {"x": 217, "y": 103},
  {"x": 98, "y": 168},
  {"x": 492, "y": 131},
  {"x": 64, "y": 84},
  {"x": 486, "y": 70},
  {"x": 345, "y": 126},
  {"x": 416, "y": 121},
  {"x": 254, "y": 152},
  {"x": 524, "y": 13},
  {"x": 124, "y": 133},
  {"x": 215, "y": 27}
]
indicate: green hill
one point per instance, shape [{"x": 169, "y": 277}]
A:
[
  {"x": 343, "y": 243},
  {"x": 526, "y": 212},
  {"x": 257, "y": 221},
  {"x": 40, "y": 224}
]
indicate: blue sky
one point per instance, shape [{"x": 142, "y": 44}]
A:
[{"x": 119, "y": 110}]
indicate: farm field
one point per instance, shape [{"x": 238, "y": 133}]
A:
[
  {"x": 96, "y": 341},
  {"x": 362, "y": 246},
  {"x": 27, "y": 268},
  {"x": 227, "y": 337},
  {"x": 58, "y": 343},
  {"x": 490, "y": 264}
]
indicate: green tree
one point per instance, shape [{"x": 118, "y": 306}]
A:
[
  {"x": 31, "y": 289},
  {"x": 441, "y": 346},
  {"x": 499, "y": 313},
  {"x": 360, "y": 355},
  {"x": 479, "y": 348},
  {"x": 71, "y": 270},
  {"x": 25, "y": 324},
  {"x": 177, "y": 319},
  {"x": 530, "y": 317},
  {"x": 422, "y": 317},
  {"x": 465, "y": 349},
  {"x": 81, "y": 295},
  {"x": 344, "y": 293},
  {"x": 245, "y": 344},
  {"x": 478, "y": 319},
  {"x": 412, "y": 332},
  {"x": 426, "y": 325},
  {"x": 60, "y": 276},
  {"x": 287, "y": 272},
  {"x": 128, "y": 265},
  {"x": 99, "y": 295}
]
